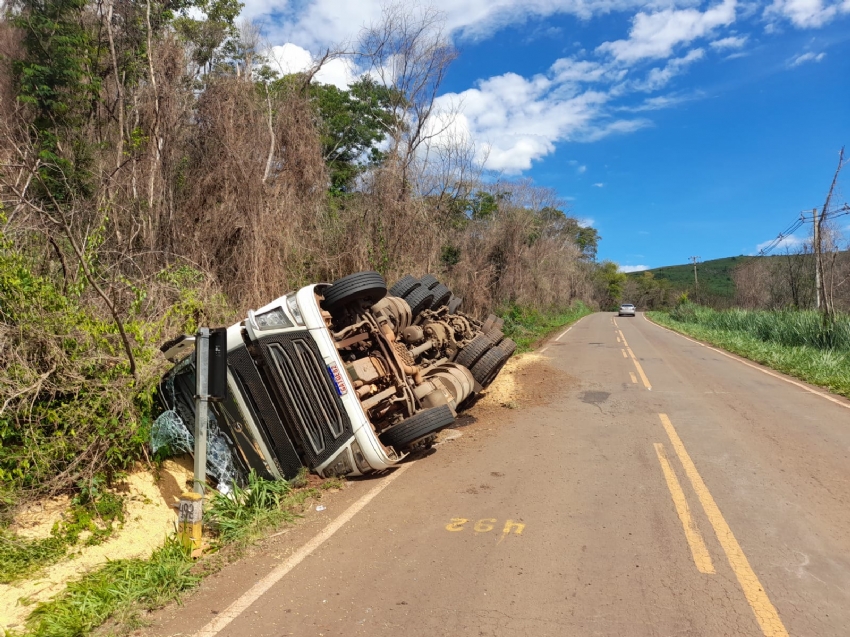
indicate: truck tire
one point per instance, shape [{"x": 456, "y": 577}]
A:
[
  {"x": 499, "y": 323},
  {"x": 508, "y": 346},
  {"x": 488, "y": 323},
  {"x": 495, "y": 335},
  {"x": 454, "y": 304},
  {"x": 442, "y": 294},
  {"x": 429, "y": 281},
  {"x": 403, "y": 286},
  {"x": 419, "y": 298},
  {"x": 369, "y": 286},
  {"x": 489, "y": 366},
  {"x": 473, "y": 351},
  {"x": 418, "y": 426}
]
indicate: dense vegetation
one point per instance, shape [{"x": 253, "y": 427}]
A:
[
  {"x": 716, "y": 282},
  {"x": 157, "y": 173}
]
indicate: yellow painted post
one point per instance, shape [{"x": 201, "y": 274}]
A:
[{"x": 189, "y": 520}]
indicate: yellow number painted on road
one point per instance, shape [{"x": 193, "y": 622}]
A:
[
  {"x": 456, "y": 525},
  {"x": 482, "y": 526},
  {"x": 485, "y": 525},
  {"x": 517, "y": 527}
]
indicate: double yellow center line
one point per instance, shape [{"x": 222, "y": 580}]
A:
[{"x": 765, "y": 612}]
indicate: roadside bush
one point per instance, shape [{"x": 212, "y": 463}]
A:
[{"x": 70, "y": 413}]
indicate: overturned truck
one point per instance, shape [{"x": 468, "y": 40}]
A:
[{"x": 345, "y": 379}]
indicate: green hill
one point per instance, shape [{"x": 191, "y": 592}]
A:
[{"x": 715, "y": 276}]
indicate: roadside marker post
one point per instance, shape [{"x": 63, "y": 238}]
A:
[{"x": 190, "y": 520}]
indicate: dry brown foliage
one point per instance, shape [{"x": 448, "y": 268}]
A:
[{"x": 211, "y": 197}]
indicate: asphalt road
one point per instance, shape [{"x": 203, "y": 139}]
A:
[{"x": 653, "y": 487}]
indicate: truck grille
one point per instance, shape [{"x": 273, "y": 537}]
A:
[
  {"x": 259, "y": 402},
  {"x": 307, "y": 395}
]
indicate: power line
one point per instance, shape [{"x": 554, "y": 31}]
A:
[{"x": 804, "y": 218}]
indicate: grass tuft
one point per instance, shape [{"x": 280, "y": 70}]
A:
[
  {"x": 246, "y": 512},
  {"x": 117, "y": 590}
]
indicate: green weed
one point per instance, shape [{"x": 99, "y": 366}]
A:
[
  {"x": 246, "y": 512},
  {"x": 117, "y": 590},
  {"x": 20, "y": 557},
  {"x": 527, "y": 326},
  {"x": 332, "y": 483},
  {"x": 91, "y": 516}
]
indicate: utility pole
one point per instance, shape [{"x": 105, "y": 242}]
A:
[
  {"x": 816, "y": 241},
  {"x": 695, "y": 260}
]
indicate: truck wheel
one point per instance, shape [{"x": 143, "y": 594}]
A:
[
  {"x": 418, "y": 426},
  {"x": 495, "y": 335},
  {"x": 489, "y": 366},
  {"x": 403, "y": 286},
  {"x": 488, "y": 323},
  {"x": 360, "y": 286},
  {"x": 508, "y": 346},
  {"x": 442, "y": 294},
  {"x": 429, "y": 281},
  {"x": 499, "y": 323},
  {"x": 419, "y": 298},
  {"x": 474, "y": 350}
]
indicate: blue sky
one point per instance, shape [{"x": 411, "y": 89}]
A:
[{"x": 677, "y": 127}]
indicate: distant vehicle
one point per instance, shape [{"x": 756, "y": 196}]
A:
[
  {"x": 626, "y": 309},
  {"x": 344, "y": 379}
]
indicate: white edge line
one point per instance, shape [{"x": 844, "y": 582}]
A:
[
  {"x": 568, "y": 329},
  {"x": 754, "y": 366},
  {"x": 261, "y": 587}
]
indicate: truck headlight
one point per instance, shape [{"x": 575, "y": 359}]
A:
[
  {"x": 271, "y": 320},
  {"x": 292, "y": 304}
]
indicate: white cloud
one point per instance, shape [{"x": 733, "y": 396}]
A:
[
  {"x": 807, "y": 14},
  {"x": 633, "y": 268},
  {"x": 659, "y": 77},
  {"x": 655, "y": 35},
  {"x": 512, "y": 120},
  {"x": 586, "y": 222},
  {"x": 732, "y": 42},
  {"x": 315, "y": 24},
  {"x": 291, "y": 58},
  {"x": 790, "y": 242},
  {"x": 581, "y": 170},
  {"x": 599, "y": 184},
  {"x": 806, "y": 57},
  {"x": 659, "y": 102},
  {"x": 519, "y": 120}
]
